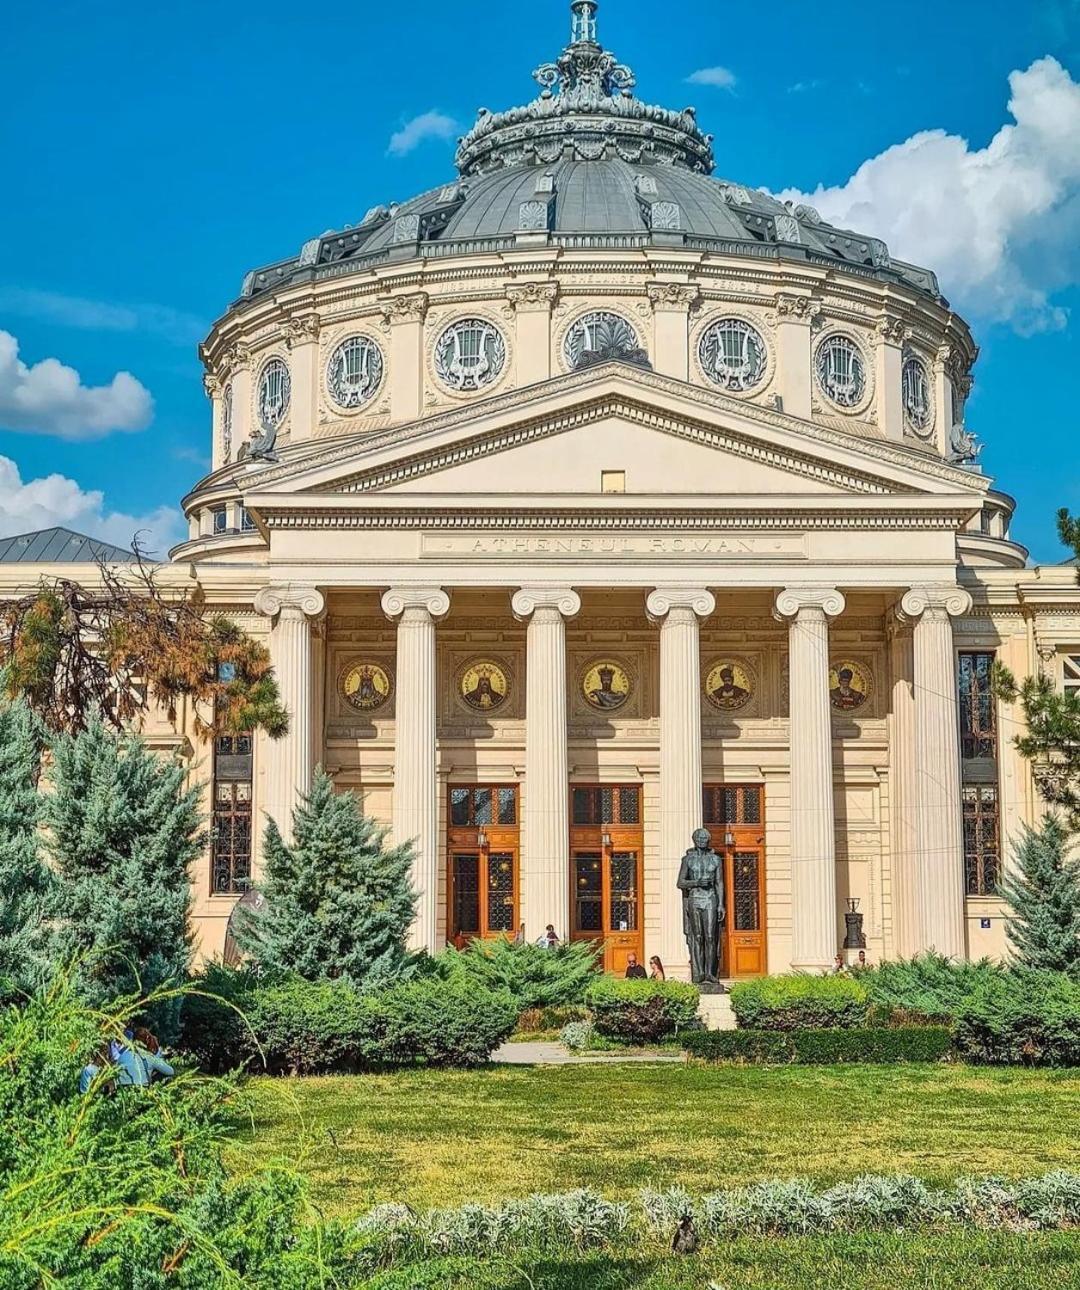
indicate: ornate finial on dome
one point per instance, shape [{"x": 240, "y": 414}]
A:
[
  {"x": 586, "y": 109},
  {"x": 583, "y": 22}
]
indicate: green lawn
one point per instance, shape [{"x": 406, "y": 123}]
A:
[
  {"x": 967, "y": 1261},
  {"x": 446, "y": 1137}
]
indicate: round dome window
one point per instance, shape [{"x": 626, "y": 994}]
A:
[
  {"x": 274, "y": 389},
  {"x": 598, "y": 332},
  {"x": 354, "y": 372},
  {"x": 918, "y": 400},
  {"x": 841, "y": 371},
  {"x": 470, "y": 354},
  {"x": 732, "y": 354}
]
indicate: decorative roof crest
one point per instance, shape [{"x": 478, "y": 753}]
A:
[{"x": 586, "y": 109}]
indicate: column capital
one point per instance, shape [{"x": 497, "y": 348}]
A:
[
  {"x": 433, "y": 600},
  {"x": 791, "y": 602},
  {"x": 662, "y": 600},
  {"x": 271, "y": 601},
  {"x": 526, "y": 600},
  {"x": 410, "y": 308},
  {"x": 677, "y": 297},
  {"x": 944, "y": 598},
  {"x": 538, "y": 296}
]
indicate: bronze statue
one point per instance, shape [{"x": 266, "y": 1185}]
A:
[{"x": 701, "y": 881}]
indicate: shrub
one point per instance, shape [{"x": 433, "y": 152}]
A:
[
  {"x": 286, "y": 1025},
  {"x": 799, "y": 1002},
  {"x": 642, "y": 1012},
  {"x": 536, "y": 977},
  {"x": 577, "y": 1035},
  {"x": 930, "y": 986},
  {"x": 453, "y": 1022},
  {"x": 822, "y": 1047},
  {"x": 129, "y": 1190},
  {"x": 1022, "y": 1017}
]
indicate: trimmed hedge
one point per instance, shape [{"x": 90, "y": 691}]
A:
[
  {"x": 822, "y": 1047},
  {"x": 642, "y": 1012},
  {"x": 289, "y": 1026},
  {"x": 800, "y": 1002}
]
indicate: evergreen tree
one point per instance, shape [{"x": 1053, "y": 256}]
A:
[
  {"x": 339, "y": 902},
  {"x": 123, "y": 833},
  {"x": 1044, "y": 896},
  {"x": 24, "y": 878}
]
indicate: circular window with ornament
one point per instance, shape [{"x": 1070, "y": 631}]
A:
[
  {"x": 732, "y": 355},
  {"x": 841, "y": 371},
  {"x": 354, "y": 372},
  {"x": 469, "y": 355}
]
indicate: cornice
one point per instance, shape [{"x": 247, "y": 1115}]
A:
[
  {"x": 873, "y": 450},
  {"x": 280, "y": 515}
]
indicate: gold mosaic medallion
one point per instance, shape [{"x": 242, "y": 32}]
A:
[
  {"x": 605, "y": 685},
  {"x": 483, "y": 685},
  {"x": 849, "y": 685},
  {"x": 366, "y": 686},
  {"x": 729, "y": 684}
]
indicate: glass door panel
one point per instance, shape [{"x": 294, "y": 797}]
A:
[
  {"x": 588, "y": 892},
  {"x": 624, "y": 891},
  {"x": 746, "y": 892},
  {"x": 500, "y": 893},
  {"x": 466, "y": 887}
]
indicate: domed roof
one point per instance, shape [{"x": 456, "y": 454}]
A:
[{"x": 586, "y": 164}]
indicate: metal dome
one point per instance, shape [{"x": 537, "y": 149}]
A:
[{"x": 586, "y": 164}]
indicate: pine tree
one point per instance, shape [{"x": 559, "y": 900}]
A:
[
  {"x": 1044, "y": 896},
  {"x": 24, "y": 878},
  {"x": 123, "y": 833},
  {"x": 339, "y": 902}
]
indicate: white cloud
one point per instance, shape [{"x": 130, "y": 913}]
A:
[
  {"x": 1000, "y": 225},
  {"x": 55, "y": 499},
  {"x": 173, "y": 325},
  {"x": 50, "y": 398},
  {"x": 805, "y": 87},
  {"x": 428, "y": 125},
  {"x": 721, "y": 78}
]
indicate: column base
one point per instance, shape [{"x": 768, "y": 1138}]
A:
[{"x": 815, "y": 968}]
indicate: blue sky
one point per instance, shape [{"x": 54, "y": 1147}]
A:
[{"x": 155, "y": 152}]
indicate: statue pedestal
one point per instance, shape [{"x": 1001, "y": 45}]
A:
[{"x": 711, "y": 987}]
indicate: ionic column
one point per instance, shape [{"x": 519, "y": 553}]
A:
[
  {"x": 939, "y": 851},
  {"x": 290, "y": 759},
  {"x": 416, "y": 788},
  {"x": 813, "y": 827},
  {"x": 545, "y": 818},
  {"x": 678, "y": 609},
  {"x": 903, "y": 798}
]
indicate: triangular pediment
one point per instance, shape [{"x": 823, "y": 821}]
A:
[{"x": 667, "y": 437}]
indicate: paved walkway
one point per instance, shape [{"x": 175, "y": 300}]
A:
[{"x": 552, "y": 1053}]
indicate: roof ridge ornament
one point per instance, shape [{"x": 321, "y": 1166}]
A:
[{"x": 586, "y": 109}]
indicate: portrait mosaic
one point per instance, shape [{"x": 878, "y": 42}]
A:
[
  {"x": 850, "y": 685},
  {"x": 605, "y": 685},
  {"x": 483, "y": 685},
  {"x": 729, "y": 684},
  {"x": 366, "y": 686}
]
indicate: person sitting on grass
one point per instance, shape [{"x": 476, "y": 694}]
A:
[{"x": 634, "y": 970}]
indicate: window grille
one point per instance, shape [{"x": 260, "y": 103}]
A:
[
  {"x": 732, "y": 804},
  {"x": 732, "y": 354},
  {"x": 247, "y": 524},
  {"x": 841, "y": 370},
  {"x": 220, "y": 518},
  {"x": 917, "y": 396},
  {"x": 978, "y": 707},
  {"x": 483, "y": 805},
  {"x": 230, "y": 858},
  {"x": 274, "y": 389},
  {"x": 982, "y": 847},
  {"x": 606, "y": 805},
  {"x": 1070, "y": 673}
]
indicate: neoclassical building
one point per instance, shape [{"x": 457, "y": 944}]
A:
[{"x": 587, "y": 498}]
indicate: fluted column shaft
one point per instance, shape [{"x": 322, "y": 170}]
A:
[
  {"x": 416, "y": 789},
  {"x": 545, "y": 818},
  {"x": 903, "y": 796},
  {"x": 678, "y": 611},
  {"x": 939, "y": 853},
  {"x": 290, "y": 759},
  {"x": 813, "y": 828}
]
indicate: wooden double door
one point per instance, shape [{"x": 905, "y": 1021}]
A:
[
  {"x": 606, "y": 850},
  {"x": 734, "y": 814},
  {"x": 482, "y": 869}
]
